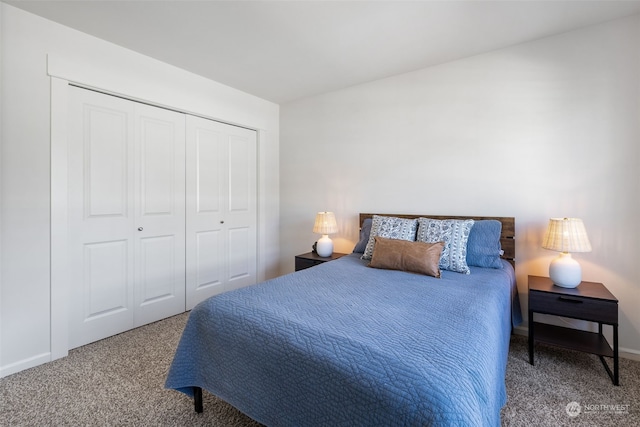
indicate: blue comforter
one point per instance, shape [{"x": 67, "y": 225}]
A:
[{"x": 345, "y": 344}]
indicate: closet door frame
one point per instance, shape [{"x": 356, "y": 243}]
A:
[{"x": 59, "y": 290}]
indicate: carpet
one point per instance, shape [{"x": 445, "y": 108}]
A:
[{"x": 119, "y": 381}]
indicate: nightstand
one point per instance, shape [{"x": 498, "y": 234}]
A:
[
  {"x": 311, "y": 258},
  {"x": 589, "y": 301}
]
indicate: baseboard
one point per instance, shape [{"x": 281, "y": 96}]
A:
[
  {"x": 629, "y": 353},
  {"x": 21, "y": 365},
  {"x": 521, "y": 330},
  {"x": 625, "y": 353}
]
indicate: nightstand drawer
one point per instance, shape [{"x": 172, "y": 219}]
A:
[
  {"x": 302, "y": 263},
  {"x": 311, "y": 258},
  {"x": 574, "y": 306}
]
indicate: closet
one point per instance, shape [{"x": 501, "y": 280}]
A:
[{"x": 162, "y": 212}]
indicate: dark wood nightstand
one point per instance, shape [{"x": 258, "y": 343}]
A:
[
  {"x": 311, "y": 258},
  {"x": 589, "y": 301}
]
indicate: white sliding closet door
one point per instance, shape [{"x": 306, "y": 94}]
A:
[
  {"x": 126, "y": 215},
  {"x": 221, "y": 208}
]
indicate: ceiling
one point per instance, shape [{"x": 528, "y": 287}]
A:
[{"x": 285, "y": 50}]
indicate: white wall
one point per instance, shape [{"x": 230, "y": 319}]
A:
[
  {"x": 30, "y": 47},
  {"x": 543, "y": 129}
]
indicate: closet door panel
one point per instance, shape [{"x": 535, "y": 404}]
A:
[
  {"x": 209, "y": 269},
  {"x": 208, "y": 182},
  {"x": 105, "y": 143},
  {"x": 242, "y": 203},
  {"x": 157, "y": 138},
  {"x": 157, "y": 265},
  {"x": 241, "y": 175},
  {"x": 160, "y": 214},
  {"x": 101, "y": 214},
  {"x": 206, "y": 248},
  {"x": 239, "y": 253},
  {"x": 105, "y": 290},
  {"x": 221, "y": 208},
  {"x": 105, "y": 284}
]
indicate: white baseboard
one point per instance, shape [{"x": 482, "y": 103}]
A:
[
  {"x": 629, "y": 353},
  {"x": 521, "y": 330},
  {"x": 21, "y": 365}
]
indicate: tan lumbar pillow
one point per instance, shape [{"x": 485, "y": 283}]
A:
[{"x": 416, "y": 257}]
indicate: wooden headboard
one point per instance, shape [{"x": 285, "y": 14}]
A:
[{"x": 507, "y": 238}]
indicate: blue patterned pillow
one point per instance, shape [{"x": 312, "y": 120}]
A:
[
  {"x": 483, "y": 247},
  {"x": 455, "y": 235},
  {"x": 391, "y": 228}
]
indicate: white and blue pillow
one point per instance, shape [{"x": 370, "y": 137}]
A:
[
  {"x": 455, "y": 235},
  {"x": 391, "y": 228}
]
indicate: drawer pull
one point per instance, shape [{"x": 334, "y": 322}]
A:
[{"x": 575, "y": 301}]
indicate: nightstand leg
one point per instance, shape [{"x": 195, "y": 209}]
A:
[
  {"x": 613, "y": 375},
  {"x": 615, "y": 355},
  {"x": 531, "y": 337},
  {"x": 197, "y": 399}
]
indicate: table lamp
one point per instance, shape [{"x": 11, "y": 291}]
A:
[
  {"x": 325, "y": 225},
  {"x": 566, "y": 235}
]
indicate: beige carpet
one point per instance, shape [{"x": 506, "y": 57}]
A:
[
  {"x": 538, "y": 395},
  {"x": 119, "y": 381}
]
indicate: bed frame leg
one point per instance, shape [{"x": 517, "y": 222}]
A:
[{"x": 197, "y": 399}]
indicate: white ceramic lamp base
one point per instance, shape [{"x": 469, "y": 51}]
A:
[
  {"x": 324, "y": 246},
  {"x": 565, "y": 271}
]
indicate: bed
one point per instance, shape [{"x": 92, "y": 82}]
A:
[{"x": 346, "y": 344}]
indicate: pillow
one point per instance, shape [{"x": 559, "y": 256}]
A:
[
  {"x": 416, "y": 257},
  {"x": 392, "y": 228},
  {"x": 455, "y": 234},
  {"x": 365, "y": 231},
  {"x": 483, "y": 246}
]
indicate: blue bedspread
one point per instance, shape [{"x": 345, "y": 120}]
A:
[{"x": 345, "y": 344}]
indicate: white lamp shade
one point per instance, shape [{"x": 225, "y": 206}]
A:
[
  {"x": 566, "y": 235},
  {"x": 325, "y": 223}
]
